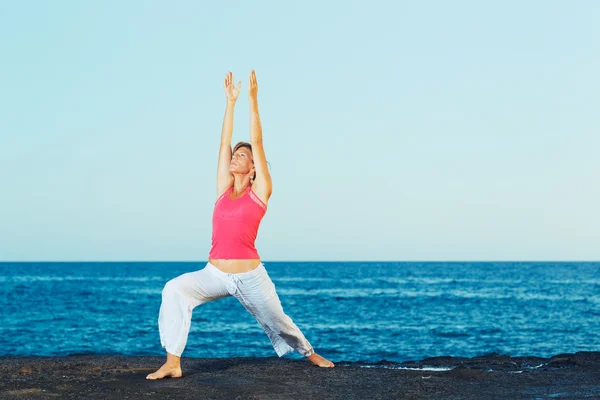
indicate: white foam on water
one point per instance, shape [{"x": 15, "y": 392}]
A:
[
  {"x": 340, "y": 292},
  {"x": 433, "y": 281},
  {"x": 50, "y": 278},
  {"x": 221, "y": 326},
  {"x": 425, "y": 368},
  {"x": 521, "y": 371},
  {"x": 574, "y": 281},
  {"x": 301, "y": 279},
  {"x": 405, "y": 293},
  {"x": 388, "y": 326},
  {"x": 145, "y": 291}
]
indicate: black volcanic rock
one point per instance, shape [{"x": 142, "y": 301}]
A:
[{"x": 492, "y": 376}]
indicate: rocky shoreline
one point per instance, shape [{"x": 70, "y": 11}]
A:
[{"x": 493, "y": 376}]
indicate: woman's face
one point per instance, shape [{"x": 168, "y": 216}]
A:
[{"x": 241, "y": 161}]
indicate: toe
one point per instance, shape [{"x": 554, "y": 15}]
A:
[{"x": 153, "y": 376}]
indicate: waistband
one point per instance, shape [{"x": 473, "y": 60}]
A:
[{"x": 259, "y": 269}]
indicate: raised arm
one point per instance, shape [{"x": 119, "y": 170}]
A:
[
  {"x": 224, "y": 178},
  {"x": 262, "y": 185}
]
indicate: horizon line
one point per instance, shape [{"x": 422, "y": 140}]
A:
[{"x": 296, "y": 261}]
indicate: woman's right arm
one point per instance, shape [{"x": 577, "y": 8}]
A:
[{"x": 224, "y": 178}]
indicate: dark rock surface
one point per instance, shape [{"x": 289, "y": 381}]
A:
[{"x": 493, "y": 376}]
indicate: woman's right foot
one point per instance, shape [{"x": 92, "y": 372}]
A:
[{"x": 167, "y": 370}]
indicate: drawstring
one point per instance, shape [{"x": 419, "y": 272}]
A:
[{"x": 236, "y": 278}]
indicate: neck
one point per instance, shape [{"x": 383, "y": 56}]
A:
[{"x": 240, "y": 186}]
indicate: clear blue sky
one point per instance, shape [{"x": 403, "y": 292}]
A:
[{"x": 395, "y": 130}]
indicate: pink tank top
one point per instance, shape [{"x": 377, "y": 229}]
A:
[{"x": 235, "y": 226}]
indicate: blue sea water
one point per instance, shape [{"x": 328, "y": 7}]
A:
[{"x": 350, "y": 311}]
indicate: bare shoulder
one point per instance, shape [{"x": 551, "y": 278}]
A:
[
  {"x": 263, "y": 193},
  {"x": 221, "y": 192}
]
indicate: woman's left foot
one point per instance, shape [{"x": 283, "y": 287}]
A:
[
  {"x": 320, "y": 361},
  {"x": 173, "y": 371}
]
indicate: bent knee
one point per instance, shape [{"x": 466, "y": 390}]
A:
[{"x": 171, "y": 287}]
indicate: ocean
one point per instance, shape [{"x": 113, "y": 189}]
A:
[{"x": 348, "y": 311}]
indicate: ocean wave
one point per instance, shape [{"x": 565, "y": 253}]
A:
[
  {"x": 51, "y": 278},
  {"x": 373, "y": 280},
  {"x": 401, "y": 293},
  {"x": 151, "y": 291},
  {"x": 425, "y": 368},
  {"x": 300, "y": 279}
]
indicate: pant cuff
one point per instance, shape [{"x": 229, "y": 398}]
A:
[{"x": 174, "y": 352}]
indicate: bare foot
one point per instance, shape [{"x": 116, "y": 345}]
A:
[
  {"x": 320, "y": 361},
  {"x": 172, "y": 370}
]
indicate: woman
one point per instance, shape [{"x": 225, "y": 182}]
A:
[{"x": 234, "y": 267}]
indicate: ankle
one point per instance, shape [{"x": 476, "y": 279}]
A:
[
  {"x": 173, "y": 361},
  {"x": 171, "y": 364}
]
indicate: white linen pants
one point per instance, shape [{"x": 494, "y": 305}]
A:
[{"x": 254, "y": 289}]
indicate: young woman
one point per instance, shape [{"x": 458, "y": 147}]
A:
[{"x": 234, "y": 267}]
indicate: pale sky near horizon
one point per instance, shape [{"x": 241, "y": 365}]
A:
[{"x": 461, "y": 130}]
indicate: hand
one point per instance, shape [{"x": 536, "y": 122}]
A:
[
  {"x": 252, "y": 86},
  {"x": 231, "y": 91}
]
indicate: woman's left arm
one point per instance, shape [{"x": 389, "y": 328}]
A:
[{"x": 262, "y": 185}]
